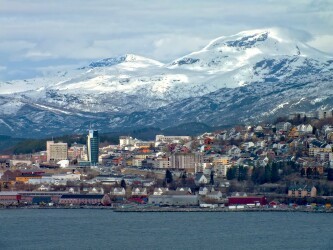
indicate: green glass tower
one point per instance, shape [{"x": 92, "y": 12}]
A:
[{"x": 93, "y": 146}]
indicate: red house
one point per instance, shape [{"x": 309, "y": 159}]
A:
[{"x": 246, "y": 200}]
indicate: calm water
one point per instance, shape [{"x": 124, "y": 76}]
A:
[{"x": 104, "y": 229}]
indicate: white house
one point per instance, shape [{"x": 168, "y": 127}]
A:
[
  {"x": 205, "y": 190},
  {"x": 160, "y": 190},
  {"x": 216, "y": 195},
  {"x": 305, "y": 128},
  {"x": 200, "y": 178},
  {"x": 184, "y": 189},
  {"x": 118, "y": 191},
  {"x": 234, "y": 151},
  {"x": 139, "y": 191}
]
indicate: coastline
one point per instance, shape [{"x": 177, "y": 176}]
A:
[
  {"x": 139, "y": 209},
  {"x": 223, "y": 210}
]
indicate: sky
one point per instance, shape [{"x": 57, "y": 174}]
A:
[{"x": 37, "y": 35}]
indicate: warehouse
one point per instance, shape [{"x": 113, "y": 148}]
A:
[{"x": 174, "y": 200}]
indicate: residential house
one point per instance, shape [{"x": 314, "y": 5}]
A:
[
  {"x": 184, "y": 189},
  {"x": 205, "y": 190},
  {"x": 200, "y": 179},
  {"x": 215, "y": 195},
  {"x": 160, "y": 190},
  {"x": 139, "y": 191},
  {"x": 118, "y": 191},
  {"x": 283, "y": 126},
  {"x": 301, "y": 191}
]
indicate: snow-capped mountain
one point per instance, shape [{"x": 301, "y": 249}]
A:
[{"x": 251, "y": 75}]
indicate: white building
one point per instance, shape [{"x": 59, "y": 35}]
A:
[
  {"x": 322, "y": 114},
  {"x": 305, "y": 128},
  {"x": 126, "y": 141},
  {"x": 162, "y": 163},
  {"x": 173, "y": 138},
  {"x": 67, "y": 177},
  {"x": 188, "y": 162},
  {"x": 56, "y": 151}
]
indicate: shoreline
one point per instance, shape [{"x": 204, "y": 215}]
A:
[
  {"x": 216, "y": 210},
  {"x": 177, "y": 209}
]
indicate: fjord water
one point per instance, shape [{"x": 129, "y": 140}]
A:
[{"x": 105, "y": 229}]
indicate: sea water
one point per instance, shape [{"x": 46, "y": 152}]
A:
[{"x": 105, "y": 229}]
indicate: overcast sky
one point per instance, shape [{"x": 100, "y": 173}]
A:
[{"x": 41, "y": 34}]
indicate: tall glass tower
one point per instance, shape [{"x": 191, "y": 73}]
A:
[{"x": 93, "y": 146}]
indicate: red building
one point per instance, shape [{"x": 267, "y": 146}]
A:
[
  {"x": 81, "y": 199},
  {"x": 7, "y": 198},
  {"x": 246, "y": 200}
]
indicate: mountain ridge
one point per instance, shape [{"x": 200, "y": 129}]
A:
[{"x": 231, "y": 76}]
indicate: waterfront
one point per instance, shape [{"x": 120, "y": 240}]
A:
[{"x": 105, "y": 229}]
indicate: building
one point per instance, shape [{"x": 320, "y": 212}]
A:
[
  {"x": 170, "y": 139},
  {"x": 322, "y": 114},
  {"x": 324, "y": 148},
  {"x": 298, "y": 191},
  {"x": 81, "y": 199},
  {"x": 76, "y": 151},
  {"x": 4, "y": 163},
  {"x": 283, "y": 126},
  {"x": 160, "y": 190},
  {"x": 126, "y": 141},
  {"x": 188, "y": 162},
  {"x": 163, "y": 162},
  {"x": 247, "y": 200},
  {"x": 25, "y": 178},
  {"x": 224, "y": 160},
  {"x": 9, "y": 198},
  {"x": 221, "y": 170},
  {"x": 200, "y": 178},
  {"x": 93, "y": 146},
  {"x": 56, "y": 151},
  {"x": 118, "y": 191},
  {"x": 174, "y": 200},
  {"x": 139, "y": 191}
]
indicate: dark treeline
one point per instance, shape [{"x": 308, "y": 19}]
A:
[
  {"x": 271, "y": 173},
  {"x": 28, "y": 146}
]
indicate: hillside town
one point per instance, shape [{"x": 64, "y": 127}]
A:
[{"x": 285, "y": 164}]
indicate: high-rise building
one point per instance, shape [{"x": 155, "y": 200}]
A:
[
  {"x": 56, "y": 151},
  {"x": 188, "y": 162},
  {"x": 93, "y": 146}
]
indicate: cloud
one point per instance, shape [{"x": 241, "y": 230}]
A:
[
  {"x": 45, "y": 33},
  {"x": 324, "y": 43},
  {"x": 38, "y": 55},
  {"x": 171, "y": 46}
]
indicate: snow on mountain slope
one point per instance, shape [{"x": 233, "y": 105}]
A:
[
  {"x": 135, "y": 91},
  {"x": 235, "y": 60}
]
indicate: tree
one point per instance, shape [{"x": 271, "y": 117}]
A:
[
  {"x": 302, "y": 172},
  {"x": 315, "y": 173},
  {"x": 168, "y": 176},
  {"x": 123, "y": 183},
  {"x": 268, "y": 173},
  {"x": 231, "y": 173},
  {"x": 330, "y": 174},
  {"x": 308, "y": 172},
  {"x": 255, "y": 174},
  {"x": 275, "y": 173},
  {"x": 184, "y": 176},
  {"x": 242, "y": 173},
  {"x": 211, "y": 178}
]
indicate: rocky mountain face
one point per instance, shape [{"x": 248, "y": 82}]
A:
[{"x": 248, "y": 77}]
